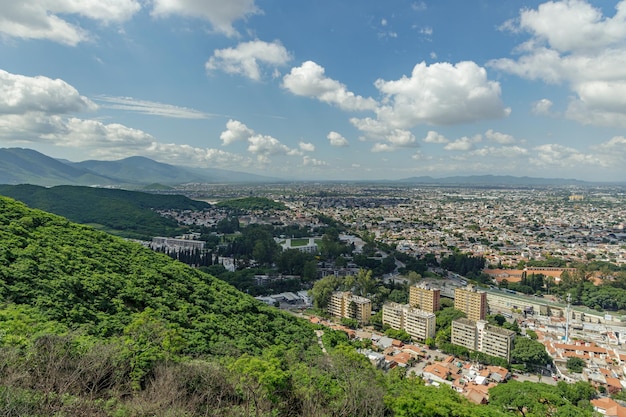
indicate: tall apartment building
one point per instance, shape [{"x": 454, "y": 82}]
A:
[
  {"x": 344, "y": 304},
  {"x": 483, "y": 337},
  {"x": 419, "y": 324},
  {"x": 472, "y": 302},
  {"x": 424, "y": 297}
]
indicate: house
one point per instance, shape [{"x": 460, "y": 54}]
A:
[{"x": 608, "y": 407}]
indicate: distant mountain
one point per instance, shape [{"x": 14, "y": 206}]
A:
[
  {"x": 492, "y": 180},
  {"x": 26, "y": 166},
  {"x": 140, "y": 170}
]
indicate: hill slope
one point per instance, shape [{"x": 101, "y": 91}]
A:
[
  {"x": 89, "y": 280},
  {"x": 121, "y": 212}
]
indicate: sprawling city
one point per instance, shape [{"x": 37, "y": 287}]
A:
[{"x": 547, "y": 258}]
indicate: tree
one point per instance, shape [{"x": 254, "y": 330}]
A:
[
  {"x": 322, "y": 290},
  {"x": 529, "y": 352},
  {"x": 575, "y": 364},
  {"x": 526, "y": 398}
]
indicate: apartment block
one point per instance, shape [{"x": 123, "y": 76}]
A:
[
  {"x": 418, "y": 323},
  {"x": 472, "y": 302},
  {"x": 464, "y": 333},
  {"x": 345, "y": 304},
  {"x": 424, "y": 297},
  {"x": 483, "y": 337}
]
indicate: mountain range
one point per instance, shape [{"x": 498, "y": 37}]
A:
[{"x": 27, "y": 166}]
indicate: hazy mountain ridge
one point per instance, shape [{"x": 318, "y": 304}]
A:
[{"x": 26, "y": 166}]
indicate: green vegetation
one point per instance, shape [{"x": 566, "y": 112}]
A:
[
  {"x": 251, "y": 204},
  {"x": 92, "y": 325},
  {"x": 575, "y": 365},
  {"x": 102, "y": 286},
  {"x": 125, "y": 213},
  {"x": 529, "y": 352}
]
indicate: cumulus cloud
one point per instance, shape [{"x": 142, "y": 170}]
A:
[
  {"x": 337, "y": 140},
  {"x": 434, "y": 137},
  {"x": 572, "y": 42},
  {"x": 35, "y": 19},
  {"x": 612, "y": 152},
  {"x": 20, "y": 94},
  {"x": 307, "y": 147},
  {"x": 235, "y": 131},
  {"x": 263, "y": 146},
  {"x": 463, "y": 144},
  {"x": 151, "y": 108},
  {"x": 500, "y": 152},
  {"x": 542, "y": 107},
  {"x": 308, "y": 161},
  {"x": 382, "y": 147},
  {"x": 309, "y": 80},
  {"x": 266, "y": 145},
  {"x": 555, "y": 155},
  {"x": 248, "y": 58},
  {"x": 221, "y": 14},
  {"x": 441, "y": 94},
  {"x": 501, "y": 138}
]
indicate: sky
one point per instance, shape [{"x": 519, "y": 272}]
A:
[{"x": 324, "y": 89}]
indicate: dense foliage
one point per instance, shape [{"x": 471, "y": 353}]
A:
[
  {"x": 126, "y": 213},
  {"x": 100, "y": 284}
]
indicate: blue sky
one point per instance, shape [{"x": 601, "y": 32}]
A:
[{"x": 325, "y": 89}]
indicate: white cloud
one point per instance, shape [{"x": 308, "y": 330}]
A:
[
  {"x": 235, "y": 131},
  {"x": 248, "y": 58},
  {"x": 308, "y": 80},
  {"x": 265, "y": 145},
  {"x": 151, "y": 108},
  {"x": 428, "y": 31},
  {"x": 20, "y": 94},
  {"x": 400, "y": 138},
  {"x": 308, "y": 161},
  {"x": 337, "y": 140},
  {"x": 613, "y": 152},
  {"x": 36, "y": 19},
  {"x": 440, "y": 94},
  {"x": 221, "y": 14},
  {"x": 572, "y": 42},
  {"x": 574, "y": 25},
  {"x": 463, "y": 144},
  {"x": 501, "y": 152},
  {"x": 434, "y": 137},
  {"x": 555, "y": 155},
  {"x": 382, "y": 147},
  {"x": 307, "y": 147},
  {"x": 542, "y": 107},
  {"x": 501, "y": 138}
]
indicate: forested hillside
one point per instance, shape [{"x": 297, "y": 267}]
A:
[
  {"x": 126, "y": 213},
  {"x": 92, "y": 325}
]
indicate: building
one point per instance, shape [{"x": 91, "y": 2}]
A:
[
  {"x": 424, "y": 298},
  {"x": 344, "y": 304},
  {"x": 464, "y": 333},
  {"x": 483, "y": 337},
  {"x": 176, "y": 244},
  {"x": 472, "y": 302},
  {"x": 298, "y": 244},
  {"x": 419, "y": 324}
]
